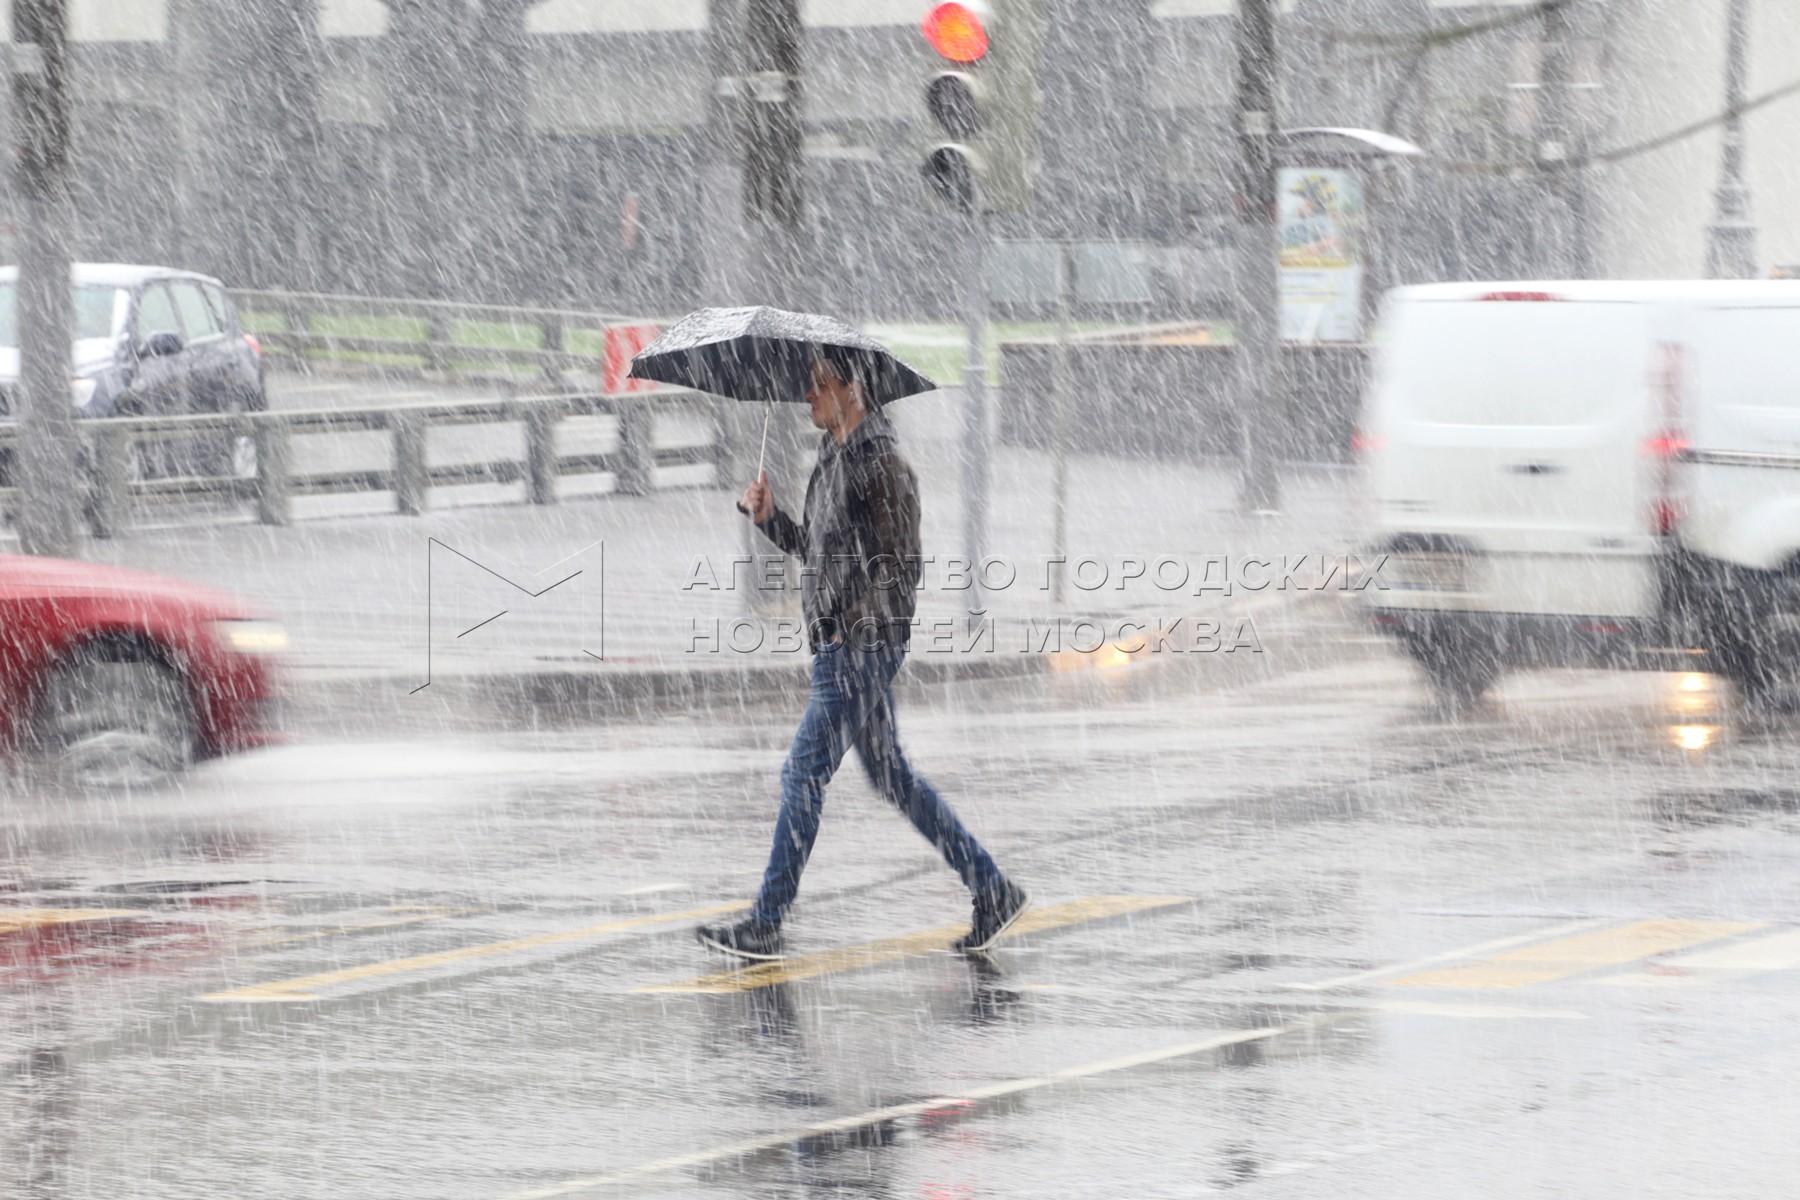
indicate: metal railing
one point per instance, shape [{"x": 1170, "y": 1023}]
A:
[
  {"x": 440, "y": 349},
  {"x": 112, "y": 490}
]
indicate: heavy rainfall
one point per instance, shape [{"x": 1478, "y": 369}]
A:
[{"x": 778, "y": 598}]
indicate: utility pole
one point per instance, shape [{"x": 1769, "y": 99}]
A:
[
  {"x": 1258, "y": 297},
  {"x": 49, "y": 492},
  {"x": 1731, "y": 238},
  {"x": 976, "y": 470},
  {"x": 756, "y": 54},
  {"x": 1562, "y": 149},
  {"x": 773, "y": 167}
]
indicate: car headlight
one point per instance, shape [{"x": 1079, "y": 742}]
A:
[
  {"x": 82, "y": 390},
  {"x": 252, "y": 637}
]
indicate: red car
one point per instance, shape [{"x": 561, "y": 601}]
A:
[{"x": 109, "y": 675}]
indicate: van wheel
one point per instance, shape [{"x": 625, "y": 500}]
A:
[
  {"x": 1764, "y": 662},
  {"x": 1460, "y": 670}
]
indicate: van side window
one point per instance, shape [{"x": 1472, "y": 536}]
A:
[
  {"x": 196, "y": 313},
  {"x": 156, "y": 314}
]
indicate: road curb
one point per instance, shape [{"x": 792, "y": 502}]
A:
[
  {"x": 576, "y": 694},
  {"x": 564, "y": 693}
]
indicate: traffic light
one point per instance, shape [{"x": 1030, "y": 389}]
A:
[{"x": 985, "y": 102}]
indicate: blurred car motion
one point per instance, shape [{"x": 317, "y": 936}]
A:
[
  {"x": 1588, "y": 474},
  {"x": 114, "y": 676},
  {"x": 150, "y": 341}
]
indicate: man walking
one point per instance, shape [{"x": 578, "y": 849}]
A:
[{"x": 859, "y": 545}]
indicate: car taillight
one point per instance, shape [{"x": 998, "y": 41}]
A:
[
  {"x": 1537, "y": 297},
  {"x": 255, "y": 346},
  {"x": 1668, "y": 444},
  {"x": 1366, "y": 443}
]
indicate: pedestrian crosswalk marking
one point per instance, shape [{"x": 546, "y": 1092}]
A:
[
  {"x": 964, "y": 1101},
  {"x": 21, "y": 920},
  {"x": 870, "y": 954},
  {"x": 1461, "y": 952},
  {"x": 307, "y": 987},
  {"x": 1549, "y": 961},
  {"x": 1771, "y": 952}
]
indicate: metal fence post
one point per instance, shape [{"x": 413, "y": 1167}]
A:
[
  {"x": 437, "y": 337},
  {"x": 410, "y": 479},
  {"x": 110, "y": 483},
  {"x": 553, "y": 343},
  {"x": 540, "y": 452},
  {"x": 637, "y": 452},
  {"x": 273, "y": 504}
]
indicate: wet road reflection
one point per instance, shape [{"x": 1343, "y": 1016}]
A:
[{"x": 1331, "y": 939}]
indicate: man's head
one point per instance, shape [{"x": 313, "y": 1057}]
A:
[{"x": 835, "y": 395}]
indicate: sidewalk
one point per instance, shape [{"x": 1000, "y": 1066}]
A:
[{"x": 352, "y": 590}]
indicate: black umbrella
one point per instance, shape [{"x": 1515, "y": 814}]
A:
[{"x": 767, "y": 354}]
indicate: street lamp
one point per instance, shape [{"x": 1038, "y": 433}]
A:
[{"x": 1731, "y": 238}]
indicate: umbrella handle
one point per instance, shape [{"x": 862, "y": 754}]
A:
[{"x": 768, "y": 411}]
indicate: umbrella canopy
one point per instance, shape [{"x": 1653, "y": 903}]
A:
[{"x": 767, "y": 354}]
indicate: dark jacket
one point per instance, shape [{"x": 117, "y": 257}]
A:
[{"x": 858, "y": 543}]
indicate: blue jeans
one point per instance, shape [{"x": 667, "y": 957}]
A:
[{"x": 852, "y": 704}]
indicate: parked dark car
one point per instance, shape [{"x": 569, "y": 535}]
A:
[{"x": 150, "y": 341}]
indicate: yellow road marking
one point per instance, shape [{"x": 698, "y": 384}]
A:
[
  {"x": 18, "y": 920},
  {"x": 1773, "y": 952},
  {"x": 1576, "y": 955},
  {"x": 305, "y": 987},
  {"x": 1479, "y": 948},
  {"x": 434, "y": 914},
  {"x": 869, "y": 954}
]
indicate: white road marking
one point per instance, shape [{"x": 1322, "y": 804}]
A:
[
  {"x": 967, "y": 1099},
  {"x": 1475, "y": 951},
  {"x": 1771, "y": 952},
  {"x": 1468, "y": 1012},
  {"x": 652, "y": 888}
]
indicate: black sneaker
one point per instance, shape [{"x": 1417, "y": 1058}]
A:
[
  {"x": 747, "y": 939},
  {"x": 994, "y": 915}
]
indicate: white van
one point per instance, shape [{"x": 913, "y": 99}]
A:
[{"x": 1588, "y": 473}]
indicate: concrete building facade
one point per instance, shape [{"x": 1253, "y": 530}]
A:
[{"x": 552, "y": 151}]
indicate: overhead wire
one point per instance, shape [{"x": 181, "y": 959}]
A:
[
  {"x": 1631, "y": 150},
  {"x": 1427, "y": 38},
  {"x": 1421, "y": 43}
]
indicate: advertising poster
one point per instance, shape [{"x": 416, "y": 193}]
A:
[{"x": 1320, "y": 264}]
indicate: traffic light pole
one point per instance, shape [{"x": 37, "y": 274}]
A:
[
  {"x": 1059, "y": 474},
  {"x": 49, "y": 477},
  {"x": 1258, "y": 296},
  {"x": 975, "y": 414}
]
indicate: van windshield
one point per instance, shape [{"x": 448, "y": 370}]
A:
[
  {"x": 99, "y": 312},
  {"x": 1524, "y": 363}
]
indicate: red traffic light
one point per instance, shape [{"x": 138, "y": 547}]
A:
[{"x": 955, "y": 31}]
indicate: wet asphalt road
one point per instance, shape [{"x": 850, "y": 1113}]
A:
[{"x": 1296, "y": 937}]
